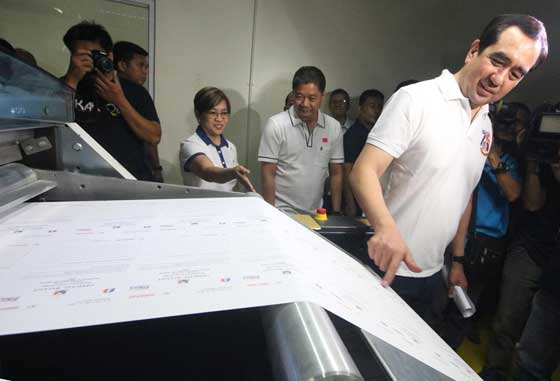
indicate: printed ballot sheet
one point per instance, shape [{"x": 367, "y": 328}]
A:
[{"x": 71, "y": 264}]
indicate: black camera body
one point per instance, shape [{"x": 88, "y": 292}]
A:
[
  {"x": 504, "y": 117},
  {"x": 544, "y": 143},
  {"x": 102, "y": 61}
]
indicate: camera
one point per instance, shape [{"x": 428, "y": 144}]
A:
[
  {"x": 509, "y": 123},
  {"x": 504, "y": 117},
  {"x": 102, "y": 61},
  {"x": 544, "y": 145}
]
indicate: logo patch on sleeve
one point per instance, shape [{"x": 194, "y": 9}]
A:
[
  {"x": 485, "y": 143},
  {"x": 325, "y": 140}
]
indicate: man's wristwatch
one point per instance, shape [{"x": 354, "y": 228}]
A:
[
  {"x": 457, "y": 259},
  {"x": 501, "y": 168}
]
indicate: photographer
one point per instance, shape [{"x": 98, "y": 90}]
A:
[
  {"x": 538, "y": 352},
  {"x": 534, "y": 245},
  {"x": 119, "y": 114},
  {"x": 487, "y": 240}
]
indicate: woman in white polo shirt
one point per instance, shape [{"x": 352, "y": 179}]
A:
[{"x": 208, "y": 159}]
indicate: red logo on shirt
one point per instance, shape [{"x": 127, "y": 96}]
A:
[{"x": 325, "y": 140}]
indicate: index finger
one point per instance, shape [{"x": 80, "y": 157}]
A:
[
  {"x": 391, "y": 271},
  {"x": 247, "y": 184}
]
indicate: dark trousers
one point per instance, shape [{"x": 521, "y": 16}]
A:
[
  {"x": 423, "y": 295},
  {"x": 539, "y": 349},
  {"x": 520, "y": 281}
]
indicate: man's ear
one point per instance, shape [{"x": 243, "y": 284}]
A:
[
  {"x": 473, "y": 51},
  {"x": 121, "y": 66}
]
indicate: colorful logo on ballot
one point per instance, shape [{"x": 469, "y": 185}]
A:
[
  {"x": 108, "y": 290},
  {"x": 59, "y": 292}
]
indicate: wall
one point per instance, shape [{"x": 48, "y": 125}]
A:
[
  {"x": 38, "y": 26},
  {"x": 359, "y": 44},
  {"x": 200, "y": 44},
  {"x": 251, "y": 48}
]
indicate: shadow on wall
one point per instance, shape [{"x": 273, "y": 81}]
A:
[
  {"x": 172, "y": 171},
  {"x": 274, "y": 91}
]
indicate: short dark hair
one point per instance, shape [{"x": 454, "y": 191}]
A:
[
  {"x": 408, "y": 82},
  {"x": 371, "y": 93},
  {"x": 342, "y": 92},
  {"x": 26, "y": 56},
  {"x": 529, "y": 25},
  {"x": 125, "y": 51},
  {"x": 88, "y": 31},
  {"x": 209, "y": 97},
  {"x": 522, "y": 107},
  {"x": 6, "y": 47},
  {"x": 309, "y": 74}
]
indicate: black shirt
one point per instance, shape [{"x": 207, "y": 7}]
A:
[
  {"x": 539, "y": 231},
  {"x": 550, "y": 280},
  {"x": 104, "y": 122},
  {"x": 354, "y": 141}
]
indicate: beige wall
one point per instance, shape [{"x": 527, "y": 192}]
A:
[
  {"x": 38, "y": 26},
  {"x": 251, "y": 48},
  {"x": 200, "y": 43},
  {"x": 359, "y": 44}
]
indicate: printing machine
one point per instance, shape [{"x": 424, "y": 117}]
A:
[{"x": 46, "y": 158}]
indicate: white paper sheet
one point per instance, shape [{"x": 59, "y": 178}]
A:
[{"x": 73, "y": 264}]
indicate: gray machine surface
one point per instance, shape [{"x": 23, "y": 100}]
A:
[{"x": 42, "y": 158}]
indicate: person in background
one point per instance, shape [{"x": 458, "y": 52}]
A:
[
  {"x": 538, "y": 352},
  {"x": 534, "y": 247},
  {"x": 119, "y": 114},
  {"x": 299, "y": 146},
  {"x": 289, "y": 101},
  {"x": 371, "y": 104},
  {"x": 408, "y": 82},
  {"x": 208, "y": 160},
  {"x": 26, "y": 56},
  {"x": 131, "y": 62},
  {"x": 339, "y": 105}
]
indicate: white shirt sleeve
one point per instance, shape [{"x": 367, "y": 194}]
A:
[
  {"x": 395, "y": 129},
  {"x": 271, "y": 141},
  {"x": 189, "y": 150}
]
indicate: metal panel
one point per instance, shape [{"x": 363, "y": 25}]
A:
[{"x": 80, "y": 187}]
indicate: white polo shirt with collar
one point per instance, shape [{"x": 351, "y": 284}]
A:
[
  {"x": 223, "y": 155},
  {"x": 438, "y": 156},
  {"x": 302, "y": 157}
]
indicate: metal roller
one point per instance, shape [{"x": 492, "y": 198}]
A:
[{"x": 304, "y": 345}]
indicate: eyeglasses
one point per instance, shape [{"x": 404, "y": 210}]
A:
[{"x": 214, "y": 114}]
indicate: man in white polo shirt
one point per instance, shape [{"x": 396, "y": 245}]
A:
[
  {"x": 433, "y": 138},
  {"x": 298, "y": 147}
]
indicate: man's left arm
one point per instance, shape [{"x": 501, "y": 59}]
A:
[
  {"x": 337, "y": 182},
  {"x": 457, "y": 274},
  {"x": 109, "y": 88}
]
